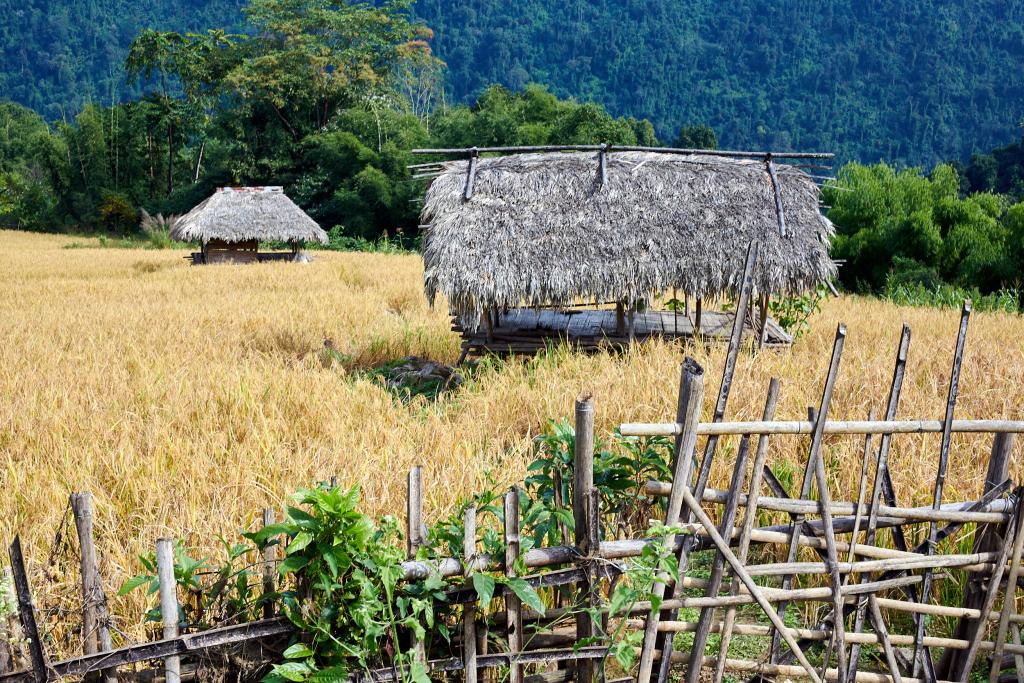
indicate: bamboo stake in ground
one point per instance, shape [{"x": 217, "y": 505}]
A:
[
  {"x": 753, "y": 588},
  {"x": 881, "y": 467},
  {"x": 95, "y": 632},
  {"x": 513, "y": 606},
  {"x": 168, "y": 603},
  {"x": 469, "y": 610},
  {"x": 711, "y": 445},
  {"x": 748, "y": 524},
  {"x": 824, "y": 496},
  {"x": 700, "y": 636},
  {"x": 691, "y": 396},
  {"x": 583, "y": 483},
  {"x": 415, "y": 534},
  {"x": 27, "y": 612},
  {"x": 940, "y": 475}
]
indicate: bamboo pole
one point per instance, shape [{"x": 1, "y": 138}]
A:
[
  {"x": 269, "y": 567},
  {"x": 993, "y": 513},
  {"x": 748, "y": 523},
  {"x": 711, "y": 445},
  {"x": 753, "y": 588},
  {"x": 881, "y": 472},
  {"x": 824, "y": 496},
  {"x": 168, "y": 604},
  {"x": 525, "y": 149},
  {"x": 583, "y": 484},
  {"x": 700, "y": 637},
  {"x": 883, "y": 636},
  {"x": 1010, "y": 597},
  {"x": 986, "y": 539},
  {"x": 469, "y": 610},
  {"x": 513, "y": 606},
  {"x": 940, "y": 475},
  {"x": 848, "y": 427},
  {"x": 990, "y": 597},
  {"x": 27, "y": 612},
  {"x": 691, "y": 396}
]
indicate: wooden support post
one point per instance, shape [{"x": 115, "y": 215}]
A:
[
  {"x": 749, "y": 520},
  {"x": 762, "y": 323},
  {"x": 698, "y": 311},
  {"x": 691, "y": 397},
  {"x": 414, "y": 512},
  {"x": 469, "y": 609},
  {"x": 583, "y": 484},
  {"x": 700, "y": 637},
  {"x": 513, "y": 606},
  {"x": 27, "y": 612},
  {"x": 95, "y": 630},
  {"x": 168, "y": 603},
  {"x": 620, "y": 319},
  {"x": 269, "y": 566}
]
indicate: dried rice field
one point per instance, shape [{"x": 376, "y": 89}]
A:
[{"x": 186, "y": 399}]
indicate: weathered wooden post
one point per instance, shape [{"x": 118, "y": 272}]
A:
[
  {"x": 583, "y": 484},
  {"x": 168, "y": 603},
  {"x": 95, "y": 631},
  {"x": 469, "y": 610},
  {"x": 415, "y": 533},
  {"x": 26, "y": 612},
  {"x": 513, "y": 606}
]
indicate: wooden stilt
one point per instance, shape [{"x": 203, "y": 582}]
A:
[{"x": 168, "y": 604}]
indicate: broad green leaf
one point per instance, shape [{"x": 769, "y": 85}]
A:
[
  {"x": 302, "y": 539},
  {"x": 525, "y": 592},
  {"x": 293, "y": 564},
  {"x": 293, "y": 671},
  {"x": 483, "y": 584},
  {"x": 298, "y": 651},
  {"x": 133, "y": 583}
]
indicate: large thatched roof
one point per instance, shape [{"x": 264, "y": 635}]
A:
[
  {"x": 542, "y": 229},
  {"x": 238, "y": 214}
]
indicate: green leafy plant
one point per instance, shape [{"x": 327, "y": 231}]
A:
[
  {"x": 345, "y": 596},
  {"x": 794, "y": 313}
]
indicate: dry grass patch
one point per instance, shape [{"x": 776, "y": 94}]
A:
[{"x": 186, "y": 399}]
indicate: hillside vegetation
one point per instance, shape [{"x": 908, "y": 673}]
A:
[{"x": 907, "y": 82}]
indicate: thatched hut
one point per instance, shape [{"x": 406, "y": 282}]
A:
[
  {"x": 553, "y": 229},
  {"x": 234, "y": 220}
]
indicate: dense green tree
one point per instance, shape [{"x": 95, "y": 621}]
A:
[{"x": 697, "y": 136}]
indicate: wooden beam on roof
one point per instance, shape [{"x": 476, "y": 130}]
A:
[
  {"x": 474, "y": 155},
  {"x": 779, "y": 213}
]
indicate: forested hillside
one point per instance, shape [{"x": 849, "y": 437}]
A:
[
  {"x": 906, "y": 82},
  {"x": 56, "y": 56}
]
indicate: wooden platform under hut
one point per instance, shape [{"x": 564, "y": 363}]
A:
[
  {"x": 231, "y": 223},
  {"x": 530, "y": 232},
  {"x": 529, "y": 330}
]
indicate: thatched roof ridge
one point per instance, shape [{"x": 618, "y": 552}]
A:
[
  {"x": 237, "y": 214},
  {"x": 540, "y": 229}
]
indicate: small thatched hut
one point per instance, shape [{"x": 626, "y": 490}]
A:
[
  {"x": 234, "y": 220},
  {"x": 552, "y": 229}
]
